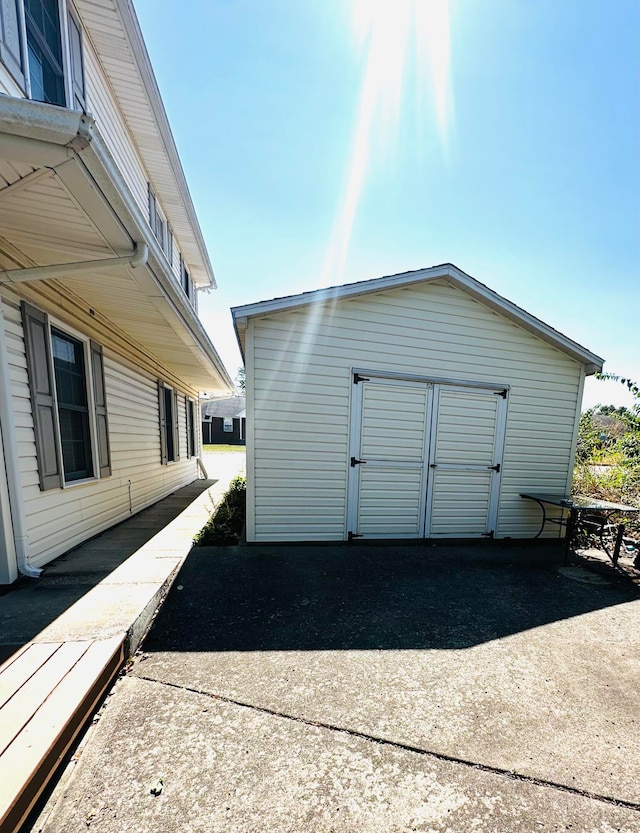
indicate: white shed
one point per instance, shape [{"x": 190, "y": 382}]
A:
[{"x": 416, "y": 405}]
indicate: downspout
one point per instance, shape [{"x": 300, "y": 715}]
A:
[{"x": 7, "y": 420}]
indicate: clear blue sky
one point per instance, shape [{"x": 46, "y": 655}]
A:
[{"x": 327, "y": 141}]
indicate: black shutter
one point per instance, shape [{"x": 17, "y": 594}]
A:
[
  {"x": 77, "y": 69},
  {"x": 100, "y": 405},
  {"x": 43, "y": 405},
  {"x": 10, "y": 39},
  {"x": 153, "y": 216},
  {"x": 176, "y": 434},
  {"x": 188, "y": 426},
  {"x": 163, "y": 424}
]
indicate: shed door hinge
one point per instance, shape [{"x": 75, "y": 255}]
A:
[
  {"x": 489, "y": 534},
  {"x": 494, "y": 468},
  {"x": 355, "y": 462},
  {"x": 358, "y": 378},
  {"x": 502, "y": 393}
]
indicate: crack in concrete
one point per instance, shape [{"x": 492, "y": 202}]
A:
[{"x": 439, "y": 756}]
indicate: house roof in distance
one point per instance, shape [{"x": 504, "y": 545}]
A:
[
  {"x": 444, "y": 271},
  {"x": 228, "y": 406}
]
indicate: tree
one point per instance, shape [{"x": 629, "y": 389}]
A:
[{"x": 241, "y": 380}]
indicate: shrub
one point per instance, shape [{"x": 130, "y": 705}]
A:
[{"x": 226, "y": 524}]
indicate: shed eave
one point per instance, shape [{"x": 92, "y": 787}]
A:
[{"x": 446, "y": 271}]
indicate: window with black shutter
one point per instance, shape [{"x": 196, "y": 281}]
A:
[{"x": 61, "y": 368}]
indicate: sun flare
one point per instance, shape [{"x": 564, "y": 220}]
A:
[{"x": 394, "y": 38}]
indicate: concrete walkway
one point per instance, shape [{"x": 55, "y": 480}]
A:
[
  {"x": 360, "y": 689},
  {"x": 63, "y": 636}
]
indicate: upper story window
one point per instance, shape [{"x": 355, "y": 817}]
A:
[
  {"x": 187, "y": 283},
  {"x": 52, "y": 69},
  {"x": 159, "y": 226},
  {"x": 44, "y": 48}
]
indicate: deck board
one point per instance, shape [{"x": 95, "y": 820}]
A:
[
  {"x": 19, "y": 710},
  {"x": 21, "y": 667},
  {"x": 49, "y": 710}
]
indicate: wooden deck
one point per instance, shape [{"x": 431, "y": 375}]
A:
[{"x": 47, "y": 691}]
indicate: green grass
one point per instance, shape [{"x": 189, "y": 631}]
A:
[{"x": 212, "y": 449}]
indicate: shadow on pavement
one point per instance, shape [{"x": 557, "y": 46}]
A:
[
  {"x": 31, "y": 605},
  {"x": 337, "y": 597}
]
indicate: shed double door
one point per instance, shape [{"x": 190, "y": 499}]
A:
[{"x": 425, "y": 459}]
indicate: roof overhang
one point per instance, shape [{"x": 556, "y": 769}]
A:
[
  {"x": 446, "y": 271},
  {"x": 69, "y": 202},
  {"x": 117, "y": 38}
]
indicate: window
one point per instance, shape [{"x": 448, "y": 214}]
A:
[
  {"x": 73, "y": 406},
  {"x": 191, "y": 428},
  {"x": 68, "y": 402},
  {"x": 187, "y": 283},
  {"x": 168, "y": 410},
  {"x": 54, "y": 58},
  {"x": 227, "y": 424},
  {"x": 44, "y": 48},
  {"x": 159, "y": 226}
]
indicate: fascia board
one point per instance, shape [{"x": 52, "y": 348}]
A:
[
  {"x": 526, "y": 320},
  {"x": 447, "y": 271}
]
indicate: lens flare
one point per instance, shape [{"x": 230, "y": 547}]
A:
[{"x": 393, "y": 36}]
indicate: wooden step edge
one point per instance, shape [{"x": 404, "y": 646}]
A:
[{"x": 23, "y": 803}]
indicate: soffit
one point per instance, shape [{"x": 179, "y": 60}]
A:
[
  {"x": 42, "y": 223},
  {"x": 116, "y": 37}
]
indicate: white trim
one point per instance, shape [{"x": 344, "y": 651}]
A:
[
  {"x": 446, "y": 271},
  {"x": 498, "y": 456},
  {"x": 432, "y": 380},
  {"x": 11, "y": 460},
  {"x": 576, "y": 430},
  {"x": 430, "y": 458},
  {"x": 250, "y": 441}
]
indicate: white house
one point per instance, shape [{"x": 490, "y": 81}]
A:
[
  {"x": 102, "y": 353},
  {"x": 418, "y": 405}
]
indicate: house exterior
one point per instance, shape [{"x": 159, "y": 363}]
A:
[
  {"x": 224, "y": 421},
  {"x": 102, "y": 353},
  {"x": 418, "y": 405}
]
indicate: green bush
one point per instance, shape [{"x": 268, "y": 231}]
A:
[{"x": 226, "y": 524}]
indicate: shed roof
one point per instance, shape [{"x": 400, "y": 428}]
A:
[
  {"x": 229, "y": 406},
  {"x": 445, "y": 271}
]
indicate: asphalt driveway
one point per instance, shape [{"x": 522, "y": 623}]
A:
[{"x": 372, "y": 688}]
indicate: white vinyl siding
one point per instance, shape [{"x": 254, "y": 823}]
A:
[
  {"x": 300, "y": 389},
  {"x": 59, "y": 519}
]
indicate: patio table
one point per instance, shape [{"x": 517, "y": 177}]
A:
[{"x": 600, "y": 512}]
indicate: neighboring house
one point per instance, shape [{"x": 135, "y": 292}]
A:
[
  {"x": 224, "y": 420},
  {"x": 102, "y": 353},
  {"x": 418, "y": 405}
]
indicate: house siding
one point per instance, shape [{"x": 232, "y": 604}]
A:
[
  {"x": 59, "y": 519},
  {"x": 299, "y": 392}
]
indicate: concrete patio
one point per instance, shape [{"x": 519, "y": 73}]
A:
[{"x": 371, "y": 688}]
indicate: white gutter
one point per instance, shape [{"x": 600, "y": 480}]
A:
[
  {"x": 14, "y": 483},
  {"x": 88, "y": 267}
]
